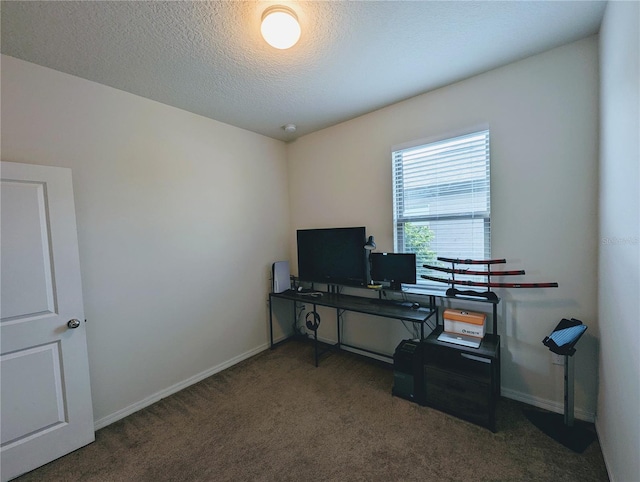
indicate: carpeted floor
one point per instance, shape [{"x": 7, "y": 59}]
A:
[{"x": 275, "y": 417}]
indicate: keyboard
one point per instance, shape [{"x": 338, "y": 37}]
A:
[{"x": 397, "y": 303}]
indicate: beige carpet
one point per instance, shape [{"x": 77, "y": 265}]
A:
[{"x": 276, "y": 417}]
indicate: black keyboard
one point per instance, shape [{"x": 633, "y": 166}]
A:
[{"x": 397, "y": 303}]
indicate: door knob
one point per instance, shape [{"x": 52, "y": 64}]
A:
[{"x": 73, "y": 323}]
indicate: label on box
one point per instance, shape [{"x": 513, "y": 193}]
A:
[{"x": 464, "y": 322}]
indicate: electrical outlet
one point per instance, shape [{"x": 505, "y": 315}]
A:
[{"x": 557, "y": 359}]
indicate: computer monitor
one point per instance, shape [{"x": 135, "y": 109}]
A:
[
  {"x": 332, "y": 255},
  {"x": 393, "y": 268}
]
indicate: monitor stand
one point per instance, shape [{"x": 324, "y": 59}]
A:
[
  {"x": 574, "y": 435},
  {"x": 395, "y": 286}
]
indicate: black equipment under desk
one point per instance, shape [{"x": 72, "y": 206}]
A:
[{"x": 358, "y": 304}]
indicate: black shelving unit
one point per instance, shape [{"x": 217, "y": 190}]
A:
[{"x": 463, "y": 381}]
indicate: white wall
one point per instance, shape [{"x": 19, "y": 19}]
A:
[
  {"x": 169, "y": 205},
  {"x": 619, "y": 266},
  {"x": 543, "y": 116}
]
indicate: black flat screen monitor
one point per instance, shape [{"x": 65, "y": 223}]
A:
[
  {"x": 332, "y": 255},
  {"x": 393, "y": 268}
]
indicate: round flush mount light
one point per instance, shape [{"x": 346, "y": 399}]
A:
[
  {"x": 280, "y": 27},
  {"x": 289, "y": 128}
]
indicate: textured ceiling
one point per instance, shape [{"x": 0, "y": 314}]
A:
[{"x": 353, "y": 56}]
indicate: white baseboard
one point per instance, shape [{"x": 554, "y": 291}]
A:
[
  {"x": 114, "y": 417},
  {"x": 550, "y": 405},
  {"x": 357, "y": 351}
]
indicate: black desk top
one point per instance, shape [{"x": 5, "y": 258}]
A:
[{"x": 360, "y": 304}]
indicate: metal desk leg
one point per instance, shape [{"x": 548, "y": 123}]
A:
[
  {"x": 295, "y": 318},
  {"x": 338, "y": 325},
  {"x": 315, "y": 344},
  {"x": 315, "y": 338},
  {"x": 271, "y": 321},
  {"x": 495, "y": 318},
  {"x": 432, "y": 303}
]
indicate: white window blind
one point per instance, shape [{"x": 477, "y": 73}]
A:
[{"x": 442, "y": 201}]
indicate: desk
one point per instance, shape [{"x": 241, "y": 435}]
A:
[{"x": 358, "y": 304}]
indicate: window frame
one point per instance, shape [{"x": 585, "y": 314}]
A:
[{"x": 399, "y": 219}]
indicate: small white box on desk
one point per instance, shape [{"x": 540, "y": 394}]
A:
[
  {"x": 464, "y": 322},
  {"x": 281, "y": 276}
]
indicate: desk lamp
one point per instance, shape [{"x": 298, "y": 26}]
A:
[{"x": 370, "y": 245}]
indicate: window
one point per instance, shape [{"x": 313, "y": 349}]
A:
[{"x": 442, "y": 201}]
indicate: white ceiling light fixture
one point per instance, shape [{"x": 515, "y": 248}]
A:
[{"x": 280, "y": 27}]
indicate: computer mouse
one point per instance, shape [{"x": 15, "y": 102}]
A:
[{"x": 415, "y": 306}]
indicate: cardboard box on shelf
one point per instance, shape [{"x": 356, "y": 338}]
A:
[{"x": 464, "y": 322}]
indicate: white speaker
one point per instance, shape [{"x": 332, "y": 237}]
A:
[{"x": 281, "y": 276}]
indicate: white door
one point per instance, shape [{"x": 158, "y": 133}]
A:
[{"x": 44, "y": 371}]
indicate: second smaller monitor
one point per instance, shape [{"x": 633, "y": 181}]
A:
[{"x": 393, "y": 268}]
